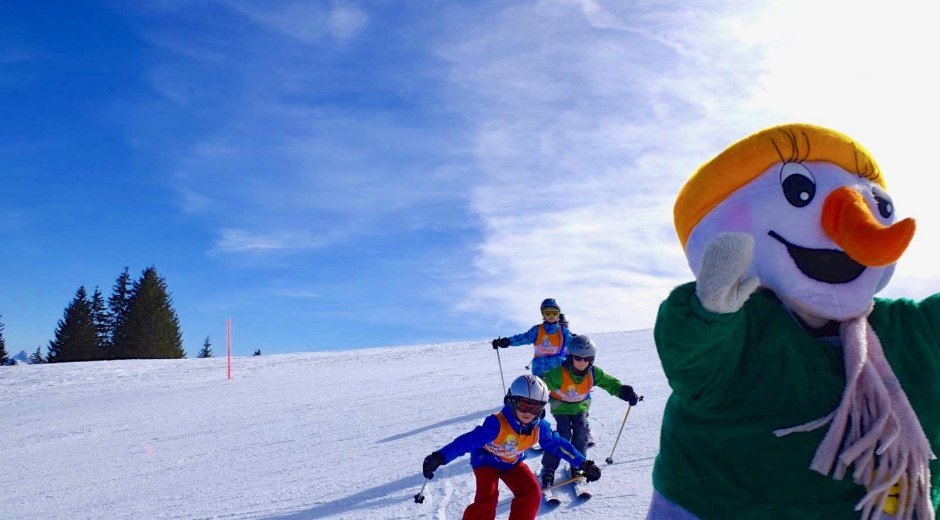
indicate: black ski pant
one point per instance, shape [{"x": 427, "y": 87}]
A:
[{"x": 572, "y": 428}]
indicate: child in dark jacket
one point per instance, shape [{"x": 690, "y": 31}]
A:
[
  {"x": 570, "y": 385},
  {"x": 548, "y": 338},
  {"x": 497, "y": 450}
]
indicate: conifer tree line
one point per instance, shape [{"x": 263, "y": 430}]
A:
[
  {"x": 37, "y": 357},
  {"x": 137, "y": 322},
  {"x": 206, "y": 351},
  {"x": 3, "y": 345},
  {"x": 5, "y": 356}
]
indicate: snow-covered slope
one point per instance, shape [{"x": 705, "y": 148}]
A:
[{"x": 315, "y": 435}]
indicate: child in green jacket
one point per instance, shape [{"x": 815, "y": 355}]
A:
[{"x": 570, "y": 385}]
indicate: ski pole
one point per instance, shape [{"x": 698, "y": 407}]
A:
[
  {"x": 419, "y": 498},
  {"x": 564, "y": 482},
  {"x": 557, "y": 485},
  {"x": 610, "y": 460},
  {"x": 501, "y": 376}
]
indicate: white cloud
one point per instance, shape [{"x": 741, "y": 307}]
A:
[
  {"x": 243, "y": 241},
  {"x": 192, "y": 202},
  {"x": 861, "y": 68},
  {"x": 280, "y": 145},
  {"x": 299, "y": 293},
  {"x": 586, "y": 118},
  {"x": 347, "y": 21},
  {"x": 588, "y": 126},
  {"x": 587, "y": 130},
  {"x": 307, "y": 22}
]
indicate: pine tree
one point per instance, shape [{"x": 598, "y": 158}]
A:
[
  {"x": 257, "y": 352},
  {"x": 76, "y": 338},
  {"x": 3, "y": 346},
  {"x": 99, "y": 317},
  {"x": 118, "y": 306},
  {"x": 151, "y": 329},
  {"x": 206, "y": 351},
  {"x": 36, "y": 357}
]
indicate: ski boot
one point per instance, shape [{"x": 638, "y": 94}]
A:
[
  {"x": 547, "y": 480},
  {"x": 581, "y": 489}
]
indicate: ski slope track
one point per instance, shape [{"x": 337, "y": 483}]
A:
[{"x": 331, "y": 435}]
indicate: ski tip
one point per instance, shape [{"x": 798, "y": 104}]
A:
[{"x": 550, "y": 498}]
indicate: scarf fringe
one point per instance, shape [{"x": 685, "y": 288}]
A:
[{"x": 877, "y": 430}]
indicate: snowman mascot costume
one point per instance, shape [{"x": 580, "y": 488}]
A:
[{"x": 796, "y": 394}]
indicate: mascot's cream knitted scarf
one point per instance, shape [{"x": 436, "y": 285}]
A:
[{"x": 874, "y": 428}]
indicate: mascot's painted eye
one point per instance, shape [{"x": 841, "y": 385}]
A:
[
  {"x": 885, "y": 206},
  {"x": 799, "y": 186}
]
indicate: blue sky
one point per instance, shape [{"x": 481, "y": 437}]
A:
[{"x": 347, "y": 174}]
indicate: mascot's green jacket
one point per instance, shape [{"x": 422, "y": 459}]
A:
[{"x": 738, "y": 377}]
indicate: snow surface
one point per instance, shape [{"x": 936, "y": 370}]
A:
[{"x": 338, "y": 435}]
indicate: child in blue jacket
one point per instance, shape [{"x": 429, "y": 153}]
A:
[
  {"x": 497, "y": 450},
  {"x": 549, "y": 338}
]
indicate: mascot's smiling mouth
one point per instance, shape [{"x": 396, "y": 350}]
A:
[{"x": 824, "y": 265}]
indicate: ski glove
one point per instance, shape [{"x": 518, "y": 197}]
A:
[
  {"x": 590, "y": 470},
  {"x": 720, "y": 283},
  {"x": 431, "y": 463},
  {"x": 628, "y": 395},
  {"x": 500, "y": 343}
]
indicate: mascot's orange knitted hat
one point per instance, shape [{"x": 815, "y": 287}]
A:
[{"x": 746, "y": 159}]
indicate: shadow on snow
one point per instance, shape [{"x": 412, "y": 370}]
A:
[
  {"x": 402, "y": 490},
  {"x": 463, "y": 418}
]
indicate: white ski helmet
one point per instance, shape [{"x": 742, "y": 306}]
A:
[
  {"x": 528, "y": 387},
  {"x": 582, "y": 346}
]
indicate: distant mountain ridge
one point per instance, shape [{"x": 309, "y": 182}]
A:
[{"x": 20, "y": 359}]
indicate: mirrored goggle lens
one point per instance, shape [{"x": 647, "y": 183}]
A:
[
  {"x": 529, "y": 406},
  {"x": 550, "y": 313}
]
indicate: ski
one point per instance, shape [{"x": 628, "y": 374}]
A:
[
  {"x": 549, "y": 497},
  {"x": 581, "y": 489}
]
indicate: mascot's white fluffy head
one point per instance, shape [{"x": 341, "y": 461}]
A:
[{"x": 825, "y": 231}]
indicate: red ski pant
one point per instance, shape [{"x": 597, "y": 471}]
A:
[{"x": 522, "y": 483}]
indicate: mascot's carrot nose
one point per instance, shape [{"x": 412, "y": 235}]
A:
[{"x": 848, "y": 221}]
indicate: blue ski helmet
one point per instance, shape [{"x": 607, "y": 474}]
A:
[{"x": 549, "y": 303}]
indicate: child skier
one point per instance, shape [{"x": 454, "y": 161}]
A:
[
  {"x": 570, "y": 386},
  {"x": 549, "y": 338},
  {"x": 498, "y": 449}
]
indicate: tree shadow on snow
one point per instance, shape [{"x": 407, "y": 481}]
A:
[
  {"x": 403, "y": 490},
  {"x": 463, "y": 418}
]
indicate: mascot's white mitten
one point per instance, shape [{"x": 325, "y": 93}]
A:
[{"x": 720, "y": 283}]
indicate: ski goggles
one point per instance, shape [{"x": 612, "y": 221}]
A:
[
  {"x": 551, "y": 313},
  {"x": 580, "y": 358},
  {"x": 529, "y": 406}
]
